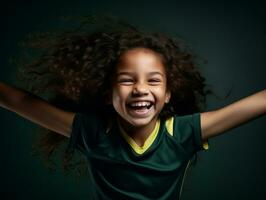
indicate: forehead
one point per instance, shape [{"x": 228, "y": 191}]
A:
[{"x": 140, "y": 59}]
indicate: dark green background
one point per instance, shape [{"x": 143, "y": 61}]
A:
[{"x": 231, "y": 36}]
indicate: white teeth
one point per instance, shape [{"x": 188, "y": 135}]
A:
[{"x": 137, "y": 104}]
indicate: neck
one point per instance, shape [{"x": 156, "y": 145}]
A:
[{"x": 138, "y": 134}]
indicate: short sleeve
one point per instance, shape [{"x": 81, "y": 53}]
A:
[
  {"x": 84, "y": 133},
  {"x": 187, "y": 130}
]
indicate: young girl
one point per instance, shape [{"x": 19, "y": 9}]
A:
[{"x": 131, "y": 102}]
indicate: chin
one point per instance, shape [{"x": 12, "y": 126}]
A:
[{"x": 139, "y": 122}]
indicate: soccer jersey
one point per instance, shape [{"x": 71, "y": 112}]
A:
[{"x": 120, "y": 169}]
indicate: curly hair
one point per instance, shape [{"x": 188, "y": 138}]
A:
[{"x": 73, "y": 70}]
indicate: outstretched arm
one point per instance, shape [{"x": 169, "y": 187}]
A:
[
  {"x": 216, "y": 122},
  {"x": 35, "y": 109}
]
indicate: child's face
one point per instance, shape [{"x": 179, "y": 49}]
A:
[{"x": 139, "y": 88}]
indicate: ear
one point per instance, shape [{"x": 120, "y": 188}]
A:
[{"x": 167, "y": 96}]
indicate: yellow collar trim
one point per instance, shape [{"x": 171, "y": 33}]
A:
[
  {"x": 170, "y": 125},
  {"x": 148, "y": 142}
]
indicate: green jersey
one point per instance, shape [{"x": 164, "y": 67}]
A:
[{"x": 120, "y": 169}]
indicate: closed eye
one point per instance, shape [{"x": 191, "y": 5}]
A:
[
  {"x": 126, "y": 81},
  {"x": 154, "y": 81}
]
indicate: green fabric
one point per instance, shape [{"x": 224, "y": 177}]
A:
[{"x": 117, "y": 172}]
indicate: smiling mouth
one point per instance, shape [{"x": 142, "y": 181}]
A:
[{"x": 140, "y": 109}]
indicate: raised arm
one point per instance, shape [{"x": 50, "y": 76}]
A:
[
  {"x": 216, "y": 122},
  {"x": 35, "y": 109}
]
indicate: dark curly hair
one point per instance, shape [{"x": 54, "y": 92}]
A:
[{"x": 73, "y": 71}]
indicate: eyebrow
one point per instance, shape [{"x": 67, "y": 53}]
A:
[{"x": 132, "y": 73}]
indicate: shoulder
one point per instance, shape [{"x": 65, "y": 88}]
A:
[
  {"x": 86, "y": 130},
  {"x": 186, "y": 129},
  {"x": 176, "y": 122}
]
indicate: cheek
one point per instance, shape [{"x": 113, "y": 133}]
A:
[
  {"x": 119, "y": 95},
  {"x": 116, "y": 101},
  {"x": 115, "y": 97},
  {"x": 159, "y": 92}
]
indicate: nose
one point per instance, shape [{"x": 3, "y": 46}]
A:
[{"x": 140, "y": 89}]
